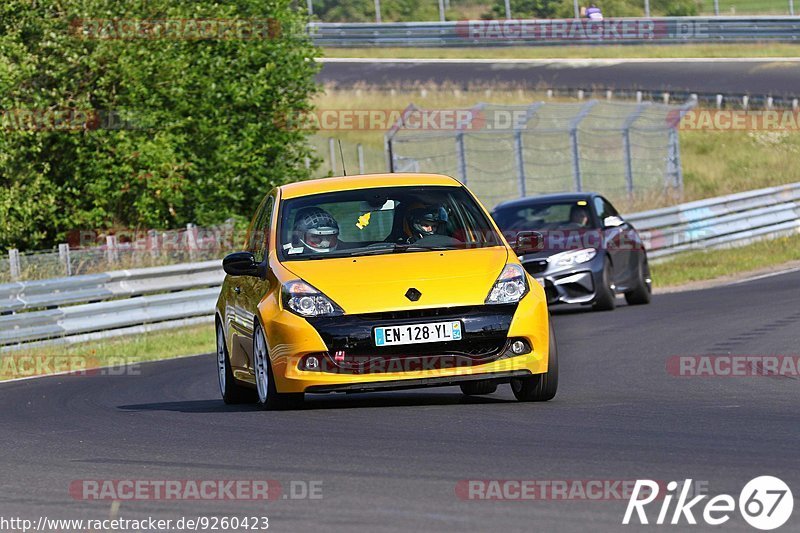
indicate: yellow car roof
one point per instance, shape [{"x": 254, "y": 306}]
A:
[{"x": 365, "y": 181}]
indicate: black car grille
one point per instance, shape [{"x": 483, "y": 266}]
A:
[
  {"x": 536, "y": 267},
  {"x": 414, "y": 314},
  {"x": 484, "y": 331}
]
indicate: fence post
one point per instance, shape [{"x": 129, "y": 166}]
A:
[
  {"x": 461, "y": 155},
  {"x": 573, "y": 136},
  {"x": 191, "y": 240},
  {"x": 791, "y": 8},
  {"x": 508, "y": 9},
  {"x": 152, "y": 238},
  {"x": 332, "y": 154},
  {"x": 674, "y": 160},
  {"x": 111, "y": 249},
  {"x": 441, "y": 11},
  {"x": 378, "y": 11},
  {"x": 520, "y": 159},
  {"x": 626, "y": 145},
  {"x": 519, "y": 155},
  {"x": 63, "y": 257},
  {"x": 646, "y": 8},
  {"x": 360, "y": 151},
  {"x": 716, "y": 7},
  {"x": 13, "y": 263},
  {"x": 310, "y": 7}
]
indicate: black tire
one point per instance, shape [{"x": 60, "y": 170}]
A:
[
  {"x": 230, "y": 389},
  {"x": 271, "y": 398},
  {"x": 476, "y": 388},
  {"x": 540, "y": 387},
  {"x": 605, "y": 299},
  {"x": 640, "y": 294}
]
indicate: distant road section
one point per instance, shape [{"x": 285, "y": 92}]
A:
[{"x": 763, "y": 77}]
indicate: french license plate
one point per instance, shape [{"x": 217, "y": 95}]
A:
[{"x": 418, "y": 333}]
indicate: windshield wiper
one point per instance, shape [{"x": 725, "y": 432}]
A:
[
  {"x": 415, "y": 248},
  {"x": 390, "y": 248}
]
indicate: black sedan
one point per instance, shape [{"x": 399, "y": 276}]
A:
[{"x": 589, "y": 253}]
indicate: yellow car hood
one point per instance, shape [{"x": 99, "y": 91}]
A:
[{"x": 377, "y": 283}]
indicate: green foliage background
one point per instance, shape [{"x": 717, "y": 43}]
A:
[{"x": 208, "y": 147}]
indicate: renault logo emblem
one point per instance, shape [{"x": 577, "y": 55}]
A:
[{"x": 413, "y": 294}]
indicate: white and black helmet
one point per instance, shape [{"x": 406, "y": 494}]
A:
[
  {"x": 426, "y": 221},
  {"x": 316, "y": 229}
]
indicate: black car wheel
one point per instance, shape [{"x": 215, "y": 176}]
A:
[
  {"x": 604, "y": 299},
  {"x": 540, "y": 387},
  {"x": 476, "y": 388},
  {"x": 232, "y": 392},
  {"x": 640, "y": 294}
]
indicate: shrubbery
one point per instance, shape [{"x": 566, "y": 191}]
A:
[{"x": 199, "y": 140}]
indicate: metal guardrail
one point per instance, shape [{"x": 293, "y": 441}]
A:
[
  {"x": 667, "y": 30},
  {"x": 724, "y": 221},
  {"x": 66, "y": 309},
  {"x": 132, "y": 301}
]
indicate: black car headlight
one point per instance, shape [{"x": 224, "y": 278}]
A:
[{"x": 510, "y": 286}]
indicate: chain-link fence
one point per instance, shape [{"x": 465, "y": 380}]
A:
[
  {"x": 449, "y": 10},
  {"x": 624, "y": 150},
  {"x": 92, "y": 252}
]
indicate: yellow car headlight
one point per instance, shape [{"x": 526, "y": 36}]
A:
[
  {"x": 510, "y": 286},
  {"x": 303, "y": 299}
]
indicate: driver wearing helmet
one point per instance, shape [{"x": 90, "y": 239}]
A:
[
  {"x": 315, "y": 230},
  {"x": 426, "y": 221}
]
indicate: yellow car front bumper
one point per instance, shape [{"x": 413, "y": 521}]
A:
[{"x": 291, "y": 337}]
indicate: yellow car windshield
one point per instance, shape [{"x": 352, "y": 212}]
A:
[{"x": 382, "y": 220}]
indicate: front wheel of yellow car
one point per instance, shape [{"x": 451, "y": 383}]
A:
[
  {"x": 539, "y": 387},
  {"x": 230, "y": 390},
  {"x": 268, "y": 395}
]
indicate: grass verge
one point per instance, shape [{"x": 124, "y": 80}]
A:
[
  {"x": 109, "y": 352},
  {"x": 576, "y": 52},
  {"x": 712, "y": 264}
]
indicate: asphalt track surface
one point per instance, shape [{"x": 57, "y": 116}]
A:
[
  {"x": 391, "y": 461},
  {"x": 756, "y": 77}
]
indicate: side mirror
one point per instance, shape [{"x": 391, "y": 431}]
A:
[
  {"x": 241, "y": 264},
  {"x": 528, "y": 242},
  {"x": 612, "y": 222}
]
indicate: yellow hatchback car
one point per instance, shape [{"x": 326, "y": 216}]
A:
[{"x": 380, "y": 282}]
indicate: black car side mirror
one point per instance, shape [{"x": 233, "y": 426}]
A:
[
  {"x": 528, "y": 242},
  {"x": 241, "y": 264}
]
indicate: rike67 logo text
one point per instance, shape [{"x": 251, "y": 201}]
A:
[{"x": 765, "y": 503}]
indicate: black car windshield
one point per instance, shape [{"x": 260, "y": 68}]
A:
[
  {"x": 382, "y": 220},
  {"x": 574, "y": 214}
]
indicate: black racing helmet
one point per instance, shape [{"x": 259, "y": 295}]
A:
[
  {"x": 316, "y": 229},
  {"x": 426, "y": 221}
]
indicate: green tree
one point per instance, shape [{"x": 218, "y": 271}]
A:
[{"x": 201, "y": 137}]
